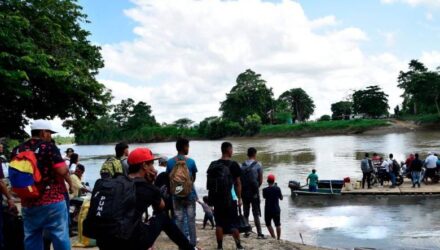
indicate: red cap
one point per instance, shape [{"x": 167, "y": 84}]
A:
[
  {"x": 271, "y": 178},
  {"x": 140, "y": 155}
]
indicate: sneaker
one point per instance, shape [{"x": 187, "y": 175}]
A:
[
  {"x": 247, "y": 234},
  {"x": 261, "y": 237}
]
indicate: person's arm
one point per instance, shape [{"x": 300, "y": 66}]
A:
[
  {"x": 260, "y": 176},
  {"x": 238, "y": 189},
  {"x": 64, "y": 172},
  {"x": 307, "y": 180},
  {"x": 281, "y": 194},
  {"x": 5, "y": 192}
]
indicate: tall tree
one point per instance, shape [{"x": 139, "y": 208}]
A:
[
  {"x": 141, "y": 116},
  {"x": 47, "y": 65},
  {"x": 371, "y": 101},
  {"x": 342, "y": 109},
  {"x": 299, "y": 103},
  {"x": 249, "y": 96},
  {"x": 122, "y": 112},
  {"x": 183, "y": 123}
]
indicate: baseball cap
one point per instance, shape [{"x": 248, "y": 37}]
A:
[
  {"x": 271, "y": 178},
  {"x": 42, "y": 125},
  {"x": 140, "y": 155}
]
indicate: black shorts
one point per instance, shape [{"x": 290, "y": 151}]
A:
[
  {"x": 268, "y": 217},
  {"x": 226, "y": 217}
]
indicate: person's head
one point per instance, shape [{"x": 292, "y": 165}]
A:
[
  {"x": 367, "y": 155},
  {"x": 416, "y": 155},
  {"x": 391, "y": 156},
  {"x": 271, "y": 179},
  {"x": 163, "y": 161},
  {"x": 182, "y": 146},
  {"x": 227, "y": 149},
  {"x": 411, "y": 155},
  {"x": 141, "y": 162},
  {"x": 205, "y": 199},
  {"x": 69, "y": 152},
  {"x": 42, "y": 129},
  {"x": 79, "y": 170},
  {"x": 381, "y": 158},
  {"x": 314, "y": 171},
  {"x": 121, "y": 149},
  {"x": 252, "y": 152},
  {"x": 74, "y": 158},
  {"x": 374, "y": 154}
]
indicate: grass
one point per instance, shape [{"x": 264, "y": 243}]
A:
[
  {"x": 423, "y": 118},
  {"x": 322, "y": 126}
]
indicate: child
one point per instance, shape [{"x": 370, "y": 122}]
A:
[
  {"x": 208, "y": 212},
  {"x": 272, "y": 210}
]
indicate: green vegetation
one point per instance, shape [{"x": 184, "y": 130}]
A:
[
  {"x": 423, "y": 119},
  {"x": 60, "y": 140},
  {"x": 322, "y": 126}
]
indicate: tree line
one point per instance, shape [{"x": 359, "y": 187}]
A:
[{"x": 48, "y": 69}]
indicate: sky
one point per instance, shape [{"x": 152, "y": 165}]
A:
[{"x": 183, "y": 56}]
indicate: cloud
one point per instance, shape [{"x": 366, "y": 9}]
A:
[
  {"x": 187, "y": 55},
  {"x": 429, "y": 16},
  {"x": 428, "y": 3},
  {"x": 431, "y": 59},
  {"x": 390, "y": 38}
]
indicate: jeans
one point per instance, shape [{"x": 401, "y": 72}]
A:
[
  {"x": 208, "y": 217},
  {"x": 53, "y": 220},
  {"x": 185, "y": 214},
  {"x": 415, "y": 177},
  {"x": 256, "y": 211},
  {"x": 392, "y": 178},
  {"x": 313, "y": 188},
  {"x": 366, "y": 177}
]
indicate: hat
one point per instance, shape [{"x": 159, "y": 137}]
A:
[
  {"x": 162, "y": 160},
  {"x": 271, "y": 178},
  {"x": 42, "y": 125},
  {"x": 140, "y": 155},
  {"x": 70, "y": 150}
]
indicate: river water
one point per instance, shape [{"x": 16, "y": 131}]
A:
[{"x": 378, "y": 223}]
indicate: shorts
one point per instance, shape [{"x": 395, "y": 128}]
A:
[
  {"x": 268, "y": 217},
  {"x": 226, "y": 217},
  {"x": 313, "y": 188}
]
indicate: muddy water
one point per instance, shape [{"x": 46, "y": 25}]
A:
[{"x": 378, "y": 223}]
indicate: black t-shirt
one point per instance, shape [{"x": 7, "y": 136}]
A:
[
  {"x": 272, "y": 195},
  {"x": 146, "y": 195},
  {"x": 234, "y": 168},
  {"x": 416, "y": 165}
]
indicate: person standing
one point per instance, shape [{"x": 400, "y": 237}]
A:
[
  {"x": 312, "y": 181},
  {"x": 393, "y": 170},
  {"x": 272, "y": 210},
  {"x": 52, "y": 188},
  {"x": 416, "y": 169},
  {"x": 224, "y": 176},
  {"x": 431, "y": 166},
  {"x": 251, "y": 180},
  {"x": 367, "y": 169},
  {"x": 115, "y": 166},
  {"x": 184, "y": 207}
]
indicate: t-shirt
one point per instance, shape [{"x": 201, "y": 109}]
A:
[
  {"x": 416, "y": 165},
  {"x": 431, "y": 161},
  {"x": 146, "y": 195},
  {"x": 190, "y": 163},
  {"x": 313, "y": 179},
  {"x": 206, "y": 208},
  {"x": 76, "y": 186},
  {"x": 385, "y": 166},
  {"x": 48, "y": 158},
  {"x": 272, "y": 194},
  {"x": 257, "y": 168}
]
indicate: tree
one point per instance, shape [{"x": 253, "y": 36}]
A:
[
  {"x": 397, "y": 111},
  {"x": 122, "y": 112},
  {"x": 324, "y": 118},
  {"x": 371, "y": 101},
  {"x": 141, "y": 116},
  {"x": 183, "y": 123},
  {"x": 249, "y": 96},
  {"x": 299, "y": 103},
  {"x": 341, "y": 110},
  {"x": 252, "y": 124},
  {"x": 421, "y": 89},
  {"x": 48, "y": 66}
]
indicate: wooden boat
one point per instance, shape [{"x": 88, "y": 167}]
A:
[{"x": 328, "y": 188}]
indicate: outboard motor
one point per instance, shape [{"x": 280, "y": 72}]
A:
[{"x": 295, "y": 185}]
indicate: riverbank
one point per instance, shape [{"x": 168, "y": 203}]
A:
[{"x": 207, "y": 241}]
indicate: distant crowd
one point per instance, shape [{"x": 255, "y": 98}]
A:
[{"x": 48, "y": 183}]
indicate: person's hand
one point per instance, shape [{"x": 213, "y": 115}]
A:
[
  {"x": 239, "y": 202},
  {"x": 70, "y": 190},
  {"x": 12, "y": 207}
]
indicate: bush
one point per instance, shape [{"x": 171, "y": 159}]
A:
[
  {"x": 252, "y": 124},
  {"x": 325, "y": 118}
]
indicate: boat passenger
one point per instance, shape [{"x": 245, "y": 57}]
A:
[
  {"x": 393, "y": 170},
  {"x": 431, "y": 166},
  {"x": 416, "y": 169},
  {"x": 312, "y": 181},
  {"x": 367, "y": 169}
]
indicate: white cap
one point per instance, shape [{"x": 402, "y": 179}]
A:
[{"x": 42, "y": 125}]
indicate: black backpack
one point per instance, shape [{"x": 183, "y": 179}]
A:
[
  {"x": 249, "y": 183},
  {"x": 112, "y": 211},
  {"x": 219, "y": 183},
  {"x": 396, "y": 167}
]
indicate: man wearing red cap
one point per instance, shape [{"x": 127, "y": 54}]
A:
[
  {"x": 142, "y": 172},
  {"x": 272, "y": 210}
]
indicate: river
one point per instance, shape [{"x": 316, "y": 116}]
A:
[{"x": 383, "y": 224}]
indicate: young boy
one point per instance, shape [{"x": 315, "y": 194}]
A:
[
  {"x": 272, "y": 210},
  {"x": 208, "y": 212}
]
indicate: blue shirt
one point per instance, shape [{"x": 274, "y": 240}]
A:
[{"x": 190, "y": 163}]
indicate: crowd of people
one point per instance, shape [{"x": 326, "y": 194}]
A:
[{"x": 171, "y": 195}]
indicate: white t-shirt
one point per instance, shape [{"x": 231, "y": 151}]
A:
[
  {"x": 431, "y": 161},
  {"x": 385, "y": 165}
]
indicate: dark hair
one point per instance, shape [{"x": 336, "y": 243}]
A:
[
  {"x": 134, "y": 168},
  {"x": 35, "y": 132},
  {"x": 367, "y": 155},
  {"x": 391, "y": 156},
  {"x": 205, "y": 199},
  {"x": 272, "y": 181},
  {"x": 313, "y": 170},
  {"x": 416, "y": 155},
  {"x": 225, "y": 146},
  {"x": 181, "y": 143},
  {"x": 81, "y": 167},
  {"x": 251, "y": 152},
  {"x": 73, "y": 159},
  {"x": 120, "y": 148},
  {"x": 374, "y": 154},
  {"x": 70, "y": 150}
]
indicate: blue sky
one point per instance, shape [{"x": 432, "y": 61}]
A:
[{"x": 183, "y": 56}]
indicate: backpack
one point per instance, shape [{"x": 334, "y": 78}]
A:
[
  {"x": 112, "y": 211},
  {"x": 396, "y": 167},
  {"x": 219, "y": 183},
  {"x": 365, "y": 166},
  {"x": 24, "y": 173},
  {"x": 249, "y": 182},
  {"x": 111, "y": 167},
  {"x": 180, "y": 180}
]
